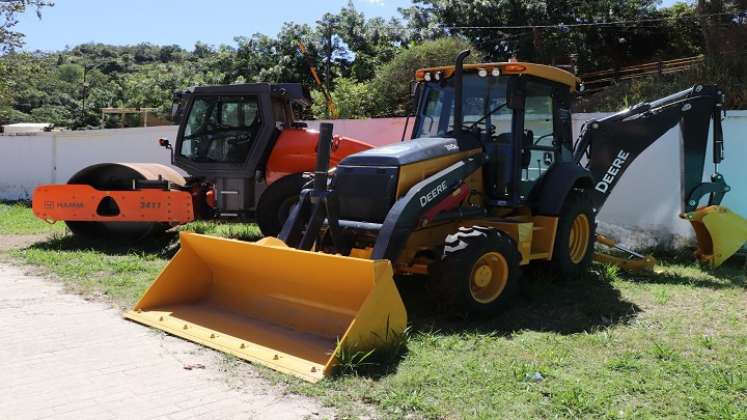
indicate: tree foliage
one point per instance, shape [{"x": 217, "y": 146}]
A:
[
  {"x": 390, "y": 89},
  {"x": 566, "y": 30},
  {"x": 368, "y": 63},
  {"x": 352, "y": 99}
]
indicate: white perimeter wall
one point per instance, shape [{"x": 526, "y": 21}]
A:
[{"x": 646, "y": 198}]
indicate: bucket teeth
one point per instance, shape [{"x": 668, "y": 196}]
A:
[{"x": 290, "y": 310}]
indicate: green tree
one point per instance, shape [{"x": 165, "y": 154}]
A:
[
  {"x": 372, "y": 42},
  {"x": 352, "y": 99},
  {"x": 70, "y": 73},
  {"x": 600, "y": 45},
  {"x": 390, "y": 89}
]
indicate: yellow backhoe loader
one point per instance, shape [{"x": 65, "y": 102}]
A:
[{"x": 490, "y": 182}]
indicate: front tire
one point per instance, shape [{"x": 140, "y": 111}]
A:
[
  {"x": 479, "y": 272},
  {"x": 574, "y": 240},
  {"x": 276, "y": 202}
]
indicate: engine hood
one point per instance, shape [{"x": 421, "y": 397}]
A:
[{"x": 407, "y": 152}]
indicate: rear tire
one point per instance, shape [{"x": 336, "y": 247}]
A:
[
  {"x": 574, "y": 240},
  {"x": 276, "y": 202},
  {"x": 479, "y": 272}
]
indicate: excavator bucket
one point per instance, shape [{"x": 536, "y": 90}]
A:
[
  {"x": 287, "y": 309},
  {"x": 719, "y": 231}
]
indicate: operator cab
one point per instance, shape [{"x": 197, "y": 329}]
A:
[
  {"x": 220, "y": 125},
  {"x": 518, "y": 112},
  {"x": 226, "y": 134}
]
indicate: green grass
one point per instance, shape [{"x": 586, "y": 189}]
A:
[
  {"x": 17, "y": 219},
  {"x": 241, "y": 231},
  {"x": 609, "y": 345},
  {"x": 121, "y": 272}
]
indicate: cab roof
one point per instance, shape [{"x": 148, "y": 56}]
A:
[
  {"x": 293, "y": 92},
  {"x": 541, "y": 71}
]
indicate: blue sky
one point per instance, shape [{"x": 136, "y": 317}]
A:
[{"x": 182, "y": 22}]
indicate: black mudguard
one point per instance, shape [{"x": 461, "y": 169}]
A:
[{"x": 548, "y": 196}]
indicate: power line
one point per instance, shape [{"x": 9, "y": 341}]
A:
[{"x": 592, "y": 24}]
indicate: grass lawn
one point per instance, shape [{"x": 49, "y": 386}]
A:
[
  {"x": 611, "y": 345},
  {"x": 17, "y": 219}
]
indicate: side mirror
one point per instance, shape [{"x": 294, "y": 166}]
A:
[{"x": 165, "y": 143}]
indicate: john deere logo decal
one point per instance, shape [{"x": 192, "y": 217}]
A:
[{"x": 424, "y": 200}]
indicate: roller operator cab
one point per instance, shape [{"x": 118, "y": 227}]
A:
[{"x": 241, "y": 148}]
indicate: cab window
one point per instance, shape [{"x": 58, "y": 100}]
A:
[
  {"x": 539, "y": 130},
  {"x": 221, "y": 129}
]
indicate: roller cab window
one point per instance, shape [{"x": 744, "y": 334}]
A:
[{"x": 221, "y": 129}]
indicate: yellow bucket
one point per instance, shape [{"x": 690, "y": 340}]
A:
[
  {"x": 719, "y": 231},
  {"x": 267, "y": 303}
]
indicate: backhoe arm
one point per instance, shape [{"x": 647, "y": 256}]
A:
[{"x": 611, "y": 144}]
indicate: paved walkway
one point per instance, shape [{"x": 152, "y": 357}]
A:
[{"x": 62, "y": 357}]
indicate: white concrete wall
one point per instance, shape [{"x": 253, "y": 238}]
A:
[
  {"x": 44, "y": 158},
  {"x": 25, "y": 162},
  {"x": 646, "y": 198},
  {"x": 76, "y": 150}
]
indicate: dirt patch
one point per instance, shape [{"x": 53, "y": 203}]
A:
[{"x": 11, "y": 242}]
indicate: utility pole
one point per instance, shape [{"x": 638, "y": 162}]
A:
[
  {"x": 85, "y": 93},
  {"x": 329, "y": 60}
]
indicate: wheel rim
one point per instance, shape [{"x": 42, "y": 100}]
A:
[
  {"x": 578, "y": 241},
  {"x": 489, "y": 277}
]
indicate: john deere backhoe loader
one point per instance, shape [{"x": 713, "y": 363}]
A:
[{"x": 490, "y": 182}]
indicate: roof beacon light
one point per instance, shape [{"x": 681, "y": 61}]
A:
[{"x": 515, "y": 68}]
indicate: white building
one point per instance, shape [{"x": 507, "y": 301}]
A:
[{"x": 19, "y": 129}]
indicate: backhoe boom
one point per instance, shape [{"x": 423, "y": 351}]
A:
[{"x": 611, "y": 144}]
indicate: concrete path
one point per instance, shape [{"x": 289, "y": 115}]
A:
[{"x": 62, "y": 357}]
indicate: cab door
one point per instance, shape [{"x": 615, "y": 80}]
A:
[{"x": 224, "y": 133}]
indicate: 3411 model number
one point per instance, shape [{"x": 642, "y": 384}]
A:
[{"x": 150, "y": 205}]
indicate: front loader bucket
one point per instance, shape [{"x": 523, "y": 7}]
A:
[
  {"x": 719, "y": 231},
  {"x": 271, "y": 304}
]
